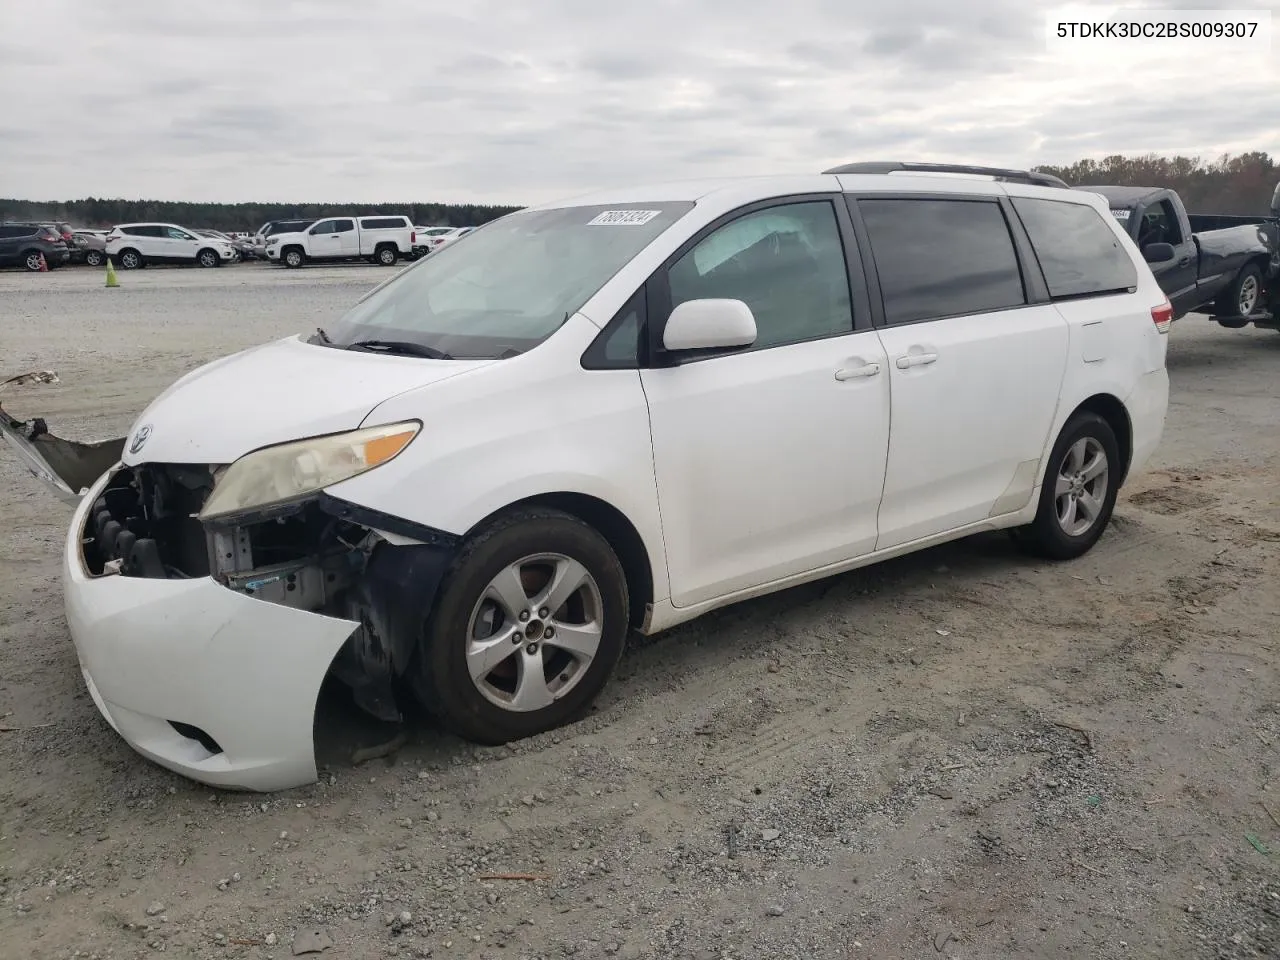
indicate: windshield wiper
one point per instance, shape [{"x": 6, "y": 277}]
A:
[
  {"x": 324, "y": 337},
  {"x": 404, "y": 348}
]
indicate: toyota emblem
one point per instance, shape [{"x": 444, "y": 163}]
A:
[{"x": 140, "y": 438}]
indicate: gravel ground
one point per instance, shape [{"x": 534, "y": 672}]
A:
[{"x": 957, "y": 754}]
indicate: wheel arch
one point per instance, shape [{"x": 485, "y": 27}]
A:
[
  {"x": 613, "y": 525},
  {"x": 1111, "y": 409}
]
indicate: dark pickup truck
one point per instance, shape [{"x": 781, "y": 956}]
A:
[{"x": 1226, "y": 267}]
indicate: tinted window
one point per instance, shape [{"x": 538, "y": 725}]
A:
[
  {"x": 619, "y": 347},
  {"x": 325, "y": 226},
  {"x": 1078, "y": 252},
  {"x": 382, "y": 223},
  {"x": 343, "y": 226},
  {"x": 786, "y": 263},
  {"x": 942, "y": 258},
  {"x": 11, "y": 232},
  {"x": 173, "y": 233},
  {"x": 144, "y": 230}
]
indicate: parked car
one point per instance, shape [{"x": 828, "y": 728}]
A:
[
  {"x": 425, "y": 237},
  {"x": 24, "y": 244},
  {"x": 273, "y": 227},
  {"x": 133, "y": 245},
  {"x": 1212, "y": 264},
  {"x": 89, "y": 247},
  {"x": 63, "y": 230},
  {"x": 445, "y": 235},
  {"x": 378, "y": 239},
  {"x": 219, "y": 235},
  {"x": 610, "y": 413}
]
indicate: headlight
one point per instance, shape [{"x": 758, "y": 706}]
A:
[{"x": 293, "y": 470}]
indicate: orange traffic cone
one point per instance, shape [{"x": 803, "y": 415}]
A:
[{"x": 44, "y": 267}]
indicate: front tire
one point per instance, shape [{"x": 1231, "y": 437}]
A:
[
  {"x": 293, "y": 257},
  {"x": 1079, "y": 490},
  {"x": 129, "y": 259},
  {"x": 208, "y": 258},
  {"x": 528, "y": 626}
]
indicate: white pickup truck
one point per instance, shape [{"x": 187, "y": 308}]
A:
[{"x": 381, "y": 240}]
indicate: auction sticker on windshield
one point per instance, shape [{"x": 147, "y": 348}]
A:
[
  {"x": 622, "y": 218},
  {"x": 1120, "y": 214}
]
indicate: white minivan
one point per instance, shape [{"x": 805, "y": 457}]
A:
[{"x": 608, "y": 414}]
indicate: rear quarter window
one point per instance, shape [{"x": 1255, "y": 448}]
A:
[{"x": 1078, "y": 252}]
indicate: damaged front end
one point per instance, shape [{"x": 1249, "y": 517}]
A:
[
  {"x": 315, "y": 553},
  {"x": 318, "y": 554}
]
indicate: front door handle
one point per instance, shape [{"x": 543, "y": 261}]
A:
[
  {"x": 915, "y": 360},
  {"x": 853, "y": 373}
]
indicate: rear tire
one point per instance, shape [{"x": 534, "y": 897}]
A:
[
  {"x": 487, "y": 634},
  {"x": 31, "y": 260},
  {"x": 1079, "y": 491},
  {"x": 1243, "y": 295},
  {"x": 95, "y": 258},
  {"x": 387, "y": 256}
]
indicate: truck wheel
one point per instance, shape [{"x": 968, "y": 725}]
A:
[
  {"x": 387, "y": 256},
  {"x": 1241, "y": 298},
  {"x": 293, "y": 257},
  {"x": 528, "y": 625}
]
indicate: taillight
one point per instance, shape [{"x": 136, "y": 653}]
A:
[
  {"x": 1162, "y": 316},
  {"x": 413, "y": 236}
]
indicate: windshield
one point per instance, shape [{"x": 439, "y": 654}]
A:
[{"x": 512, "y": 284}]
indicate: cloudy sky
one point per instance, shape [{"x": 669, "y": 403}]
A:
[{"x": 521, "y": 101}]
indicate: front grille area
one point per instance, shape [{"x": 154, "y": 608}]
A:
[{"x": 143, "y": 523}]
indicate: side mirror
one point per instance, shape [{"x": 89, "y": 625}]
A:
[
  {"x": 1157, "y": 252},
  {"x": 709, "y": 324}
]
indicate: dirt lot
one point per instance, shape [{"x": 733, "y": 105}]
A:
[{"x": 959, "y": 754}]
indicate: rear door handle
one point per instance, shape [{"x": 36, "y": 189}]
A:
[
  {"x": 1184, "y": 261},
  {"x": 915, "y": 360},
  {"x": 853, "y": 373}
]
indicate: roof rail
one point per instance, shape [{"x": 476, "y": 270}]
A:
[{"x": 999, "y": 173}]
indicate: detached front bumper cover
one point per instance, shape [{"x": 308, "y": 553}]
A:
[{"x": 66, "y": 467}]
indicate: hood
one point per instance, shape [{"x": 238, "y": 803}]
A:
[{"x": 286, "y": 390}]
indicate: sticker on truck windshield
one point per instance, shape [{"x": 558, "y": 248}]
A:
[
  {"x": 623, "y": 218},
  {"x": 1120, "y": 214}
]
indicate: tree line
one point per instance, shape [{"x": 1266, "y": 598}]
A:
[
  {"x": 247, "y": 217},
  {"x": 1232, "y": 186}
]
